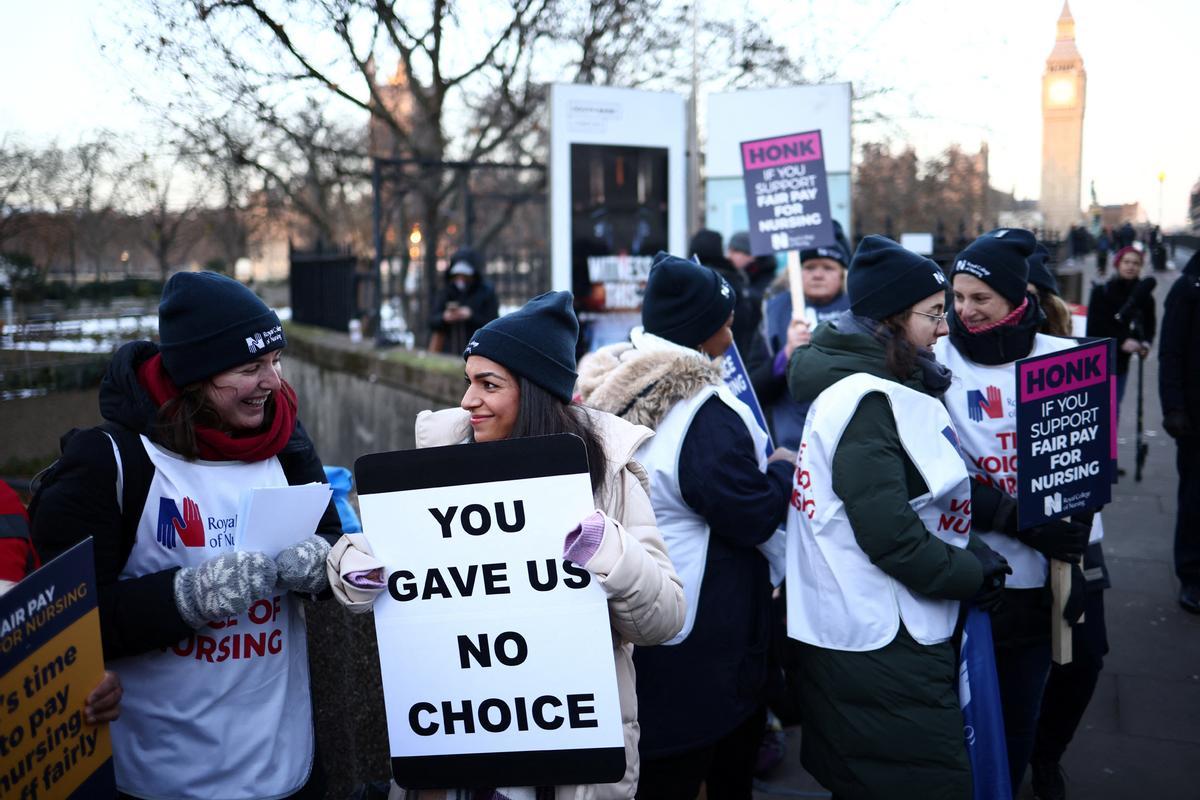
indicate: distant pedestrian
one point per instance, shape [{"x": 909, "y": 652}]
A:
[
  {"x": 1119, "y": 310},
  {"x": 1179, "y": 392},
  {"x": 758, "y": 270},
  {"x": 707, "y": 247},
  {"x": 465, "y": 304},
  {"x": 1103, "y": 243}
]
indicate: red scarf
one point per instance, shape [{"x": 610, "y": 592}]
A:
[
  {"x": 1012, "y": 318},
  {"x": 216, "y": 445}
]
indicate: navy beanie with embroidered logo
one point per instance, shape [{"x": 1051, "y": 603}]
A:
[
  {"x": 839, "y": 251},
  {"x": 208, "y": 323},
  {"x": 537, "y": 342},
  {"x": 1040, "y": 274},
  {"x": 684, "y": 302},
  {"x": 998, "y": 259},
  {"x": 885, "y": 278}
]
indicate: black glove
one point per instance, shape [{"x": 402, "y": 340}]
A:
[
  {"x": 990, "y": 596},
  {"x": 1073, "y": 608},
  {"x": 1177, "y": 424},
  {"x": 1062, "y": 539}
]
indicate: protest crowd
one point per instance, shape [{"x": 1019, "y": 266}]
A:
[{"x": 817, "y": 570}]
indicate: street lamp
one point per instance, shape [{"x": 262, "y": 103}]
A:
[{"x": 1162, "y": 176}]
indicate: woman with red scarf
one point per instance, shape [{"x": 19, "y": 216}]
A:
[{"x": 209, "y": 640}]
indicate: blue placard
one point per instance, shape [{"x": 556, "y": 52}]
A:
[
  {"x": 787, "y": 196},
  {"x": 983, "y": 717},
  {"x": 1066, "y": 443},
  {"x": 737, "y": 380}
]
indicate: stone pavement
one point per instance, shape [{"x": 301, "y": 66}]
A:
[{"x": 1140, "y": 737}]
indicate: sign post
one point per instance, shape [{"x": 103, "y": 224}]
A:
[
  {"x": 50, "y": 661},
  {"x": 513, "y": 681},
  {"x": 1065, "y": 449}
]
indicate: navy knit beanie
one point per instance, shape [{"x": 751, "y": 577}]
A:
[
  {"x": 998, "y": 259},
  {"x": 885, "y": 278},
  {"x": 1039, "y": 274},
  {"x": 537, "y": 342},
  {"x": 208, "y": 323},
  {"x": 839, "y": 251},
  {"x": 684, "y": 302}
]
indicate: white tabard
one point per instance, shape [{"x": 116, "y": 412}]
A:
[{"x": 225, "y": 713}]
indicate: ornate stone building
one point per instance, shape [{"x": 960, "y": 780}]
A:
[{"x": 1064, "y": 90}]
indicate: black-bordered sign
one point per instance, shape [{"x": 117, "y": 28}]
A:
[
  {"x": 1066, "y": 444},
  {"x": 496, "y": 653},
  {"x": 787, "y": 194}
]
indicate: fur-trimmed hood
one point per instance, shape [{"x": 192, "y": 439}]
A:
[{"x": 642, "y": 383}]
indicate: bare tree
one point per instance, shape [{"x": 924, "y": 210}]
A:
[{"x": 166, "y": 208}]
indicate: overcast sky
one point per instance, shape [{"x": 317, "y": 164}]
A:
[{"x": 962, "y": 71}]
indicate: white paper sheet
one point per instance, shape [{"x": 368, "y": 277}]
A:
[{"x": 275, "y": 519}]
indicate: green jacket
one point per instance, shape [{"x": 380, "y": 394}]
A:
[
  {"x": 884, "y": 723},
  {"x": 873, "y": 475}
]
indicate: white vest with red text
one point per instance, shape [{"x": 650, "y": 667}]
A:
[
  {"x": 982, "y": 401},
  {"x": 836, "y": 597},
  {"x": 684, "y": 531},
  {"x": 225, "y": 713}
]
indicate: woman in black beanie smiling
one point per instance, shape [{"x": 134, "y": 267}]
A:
[
  {"x": 996, "y": 321},
  {"x": 208, "y": 639},
  {"x": 701, "y": 696},
  {"x": 520, "y": 372},
  {"x": 878, "y": 549}
]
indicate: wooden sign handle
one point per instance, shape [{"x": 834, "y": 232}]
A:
[
  {"x": 796, "y": 284},
  {"x": 1060, "y": 631}
]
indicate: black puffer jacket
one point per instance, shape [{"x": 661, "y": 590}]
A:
[
  {"x": 1179, "y": 346},
  {"x": 1108, "y": 299},
  {"x": 136, "y": 615}
]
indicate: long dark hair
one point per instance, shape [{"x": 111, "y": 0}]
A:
[
  {"x": 175, "y": 424},
  {"x": 900, "y": 356},
  {"x": 540, "y": 413}
]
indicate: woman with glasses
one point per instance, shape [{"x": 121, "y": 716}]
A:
[
  {"x": 877, "y": 540},
  {"x": 996, "y": 321}
]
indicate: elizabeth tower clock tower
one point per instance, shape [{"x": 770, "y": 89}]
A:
[{"x": 1064, "y": 85}]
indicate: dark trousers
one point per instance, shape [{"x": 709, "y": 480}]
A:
[
  {"x": 1187, "y": 521},
  {"x": 1022, "y": 674},
  {"x": 1070, "y": 686},
  {"x": 726, "y": 767}
]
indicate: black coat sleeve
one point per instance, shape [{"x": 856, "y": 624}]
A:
[
  {"x": 302, "y": 465},
  {"x": 720, "y": 480},
  {"x": 138, "y": 614},
  {"x": 1178, "y": 313}
]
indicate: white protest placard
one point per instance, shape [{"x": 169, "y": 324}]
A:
[
  {"x": 276, "y": 518},
  {"x": 495, "y": 652}
]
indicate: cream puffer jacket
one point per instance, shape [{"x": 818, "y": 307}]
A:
[{"x": 645, "y": 596}]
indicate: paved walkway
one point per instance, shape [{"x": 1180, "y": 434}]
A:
[{"x": 1140, "y": 737}]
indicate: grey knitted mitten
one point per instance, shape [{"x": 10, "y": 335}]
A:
[
  {"x": 224, "y": 586},
  {"x": 302, "y": 566}
]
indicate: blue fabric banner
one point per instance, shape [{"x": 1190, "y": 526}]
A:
[{"x": 983, "y": 721}]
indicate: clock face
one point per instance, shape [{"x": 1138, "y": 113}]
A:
[{"x": 1061, "y": 92}]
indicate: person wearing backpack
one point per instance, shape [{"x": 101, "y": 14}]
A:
[{"x": 209, "y": 641}]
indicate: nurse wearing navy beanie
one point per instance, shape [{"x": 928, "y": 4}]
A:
[
  {"x": 520, "y": 373},
  {"x": 996, "y": 322},
  {"x": 878, "y": 550}
]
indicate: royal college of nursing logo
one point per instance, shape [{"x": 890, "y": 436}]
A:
[
  {"x": 977, "y": 405},
  {"x": 189, "y": 526},
  {"x": 260, "y": 341}
]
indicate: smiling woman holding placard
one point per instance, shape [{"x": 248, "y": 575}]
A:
[
  {"x": 200, "y": 632},
  {"x": 520, "y": 373}
]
